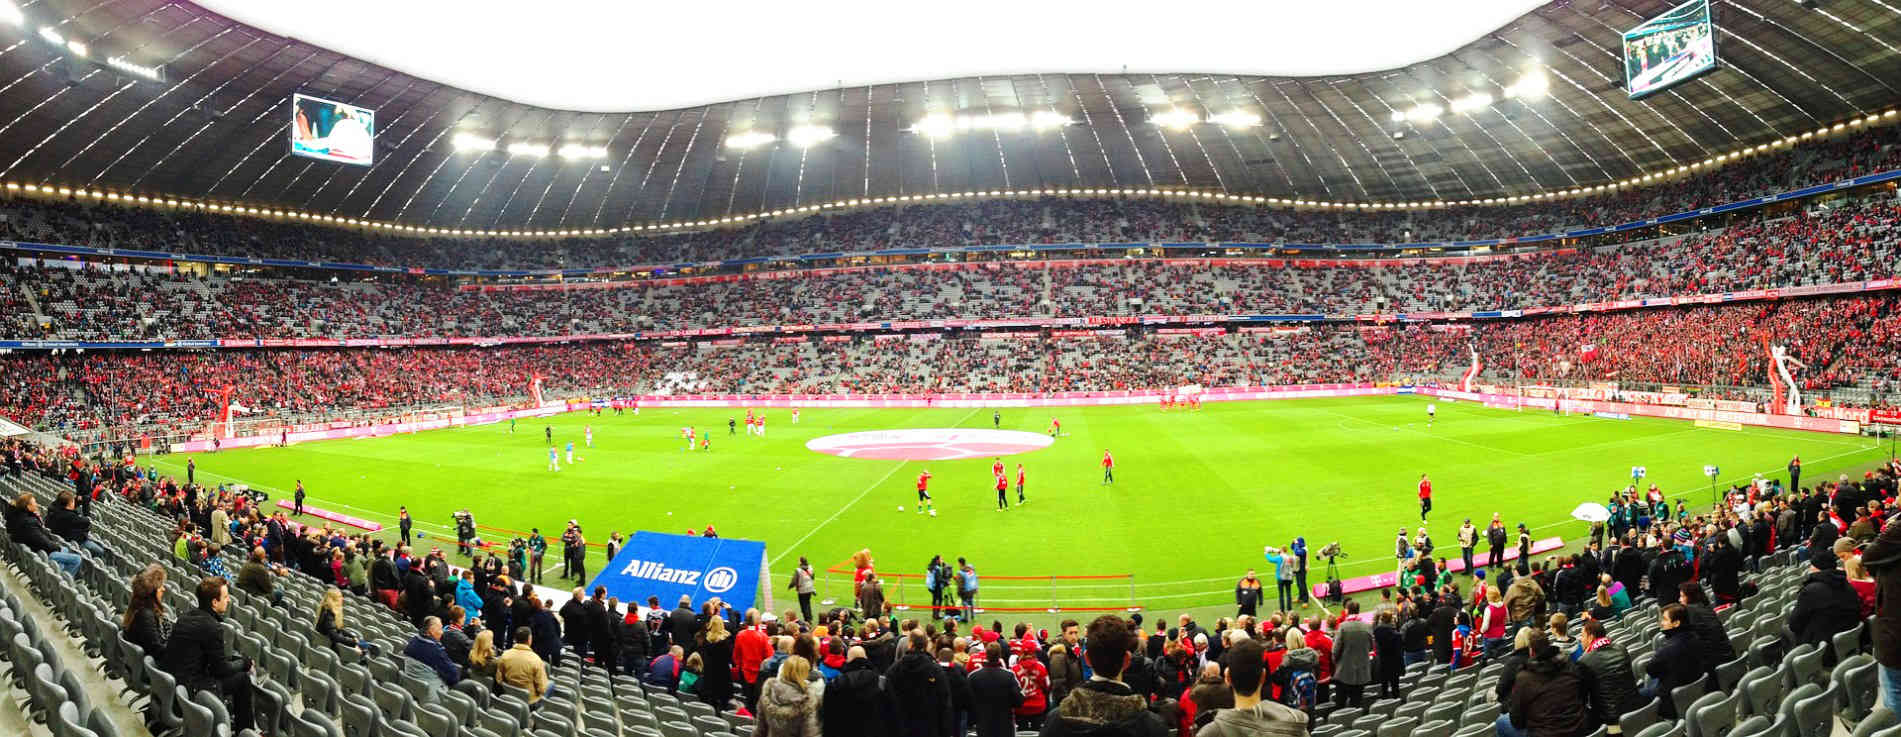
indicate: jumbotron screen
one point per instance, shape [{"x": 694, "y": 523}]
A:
[
  {"x": 1669, "y": 49},
  {"x": 332, "y": 131}
]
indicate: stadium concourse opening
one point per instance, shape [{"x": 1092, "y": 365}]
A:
[{"x": 929, "y": 444}]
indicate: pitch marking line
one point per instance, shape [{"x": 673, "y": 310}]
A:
[{"x": 854, "y": 502}]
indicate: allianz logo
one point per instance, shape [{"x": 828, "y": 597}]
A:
[{"x": 717, "y": 580}]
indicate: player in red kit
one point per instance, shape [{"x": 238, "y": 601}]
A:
[
  {"x": 1108, "y": 468},
  {"x": 996, "y": 467},
  {"x": 1056, "y": 427},
  {"x": 1019, "y": 483},
  {"x": 1003, "y": 487},
  {"x": 1425, "y": 496},
  {"x": 923, "y": 495}
]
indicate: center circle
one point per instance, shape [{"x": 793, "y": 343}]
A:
[{"x": 929, "y": 444}]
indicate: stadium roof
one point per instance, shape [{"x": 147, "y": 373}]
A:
[
  {"x": 614, "y": 56},
  {"x": 216, "y": 124}
]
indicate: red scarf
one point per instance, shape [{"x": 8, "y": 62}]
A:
[{"x": 1601, "y": 642}]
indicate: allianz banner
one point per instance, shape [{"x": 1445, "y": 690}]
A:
[{"x": 656, "y": 564}]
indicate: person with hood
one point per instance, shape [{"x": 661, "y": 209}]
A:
[
  {"x": 1548, "y": 698},
  {"x": 1298, "y": 677},
  {"x": 1721, "y": 566},
  {"x": 1105, "y": 706},
  {"x": 1667, "y": 572},
  {"x": 1299, "y": 549},
  {"x": 1352, "y": 658},
  {"x": 788, "y": 706},
  {"x": 467, "y": 598},
  {"x": 994, "y": 696},
  {"x": 853, "y": 705},
  {"x": 920, "y": 691},
  {"x": 1253, "y": 716},
  {"x": 1826, "y": 605},
  {"x": 1610, "y": 689},
  {"x": 1677, "y": 662}
]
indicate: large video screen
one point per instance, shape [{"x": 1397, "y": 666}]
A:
[
  {"x": 1669, "y": 49},
  {"x": 332, "y": 131}
]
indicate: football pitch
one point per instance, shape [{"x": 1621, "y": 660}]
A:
[{"x": 1197, "y": 494}]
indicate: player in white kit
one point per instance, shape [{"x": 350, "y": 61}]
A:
[{"x": 1432, "y": 410}]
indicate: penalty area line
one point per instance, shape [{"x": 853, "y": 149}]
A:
[
  {"x": 854, "y": 502},
  {"x": 841, "y": 510}
]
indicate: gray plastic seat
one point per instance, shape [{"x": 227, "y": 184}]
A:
[
  {"x": 709, "y": 724},
  {"x": 1804, "y": 665},
  {"x": 682, "y": 729},
  {"x": 1488, "y": 729},
  {"x": 1395, "y": 727},
  {"x": 1663, "y": 729},
  {"x": 1441, "y": 728},
  {"x": 1762, "y": 692},
  {"x": 1326, "y": 730},
  {"x": 101, "y": 725},
  {"x": 313, "y": 724},
  {"x": 162, "y": 710},
  {"x": 437, "y": 720},
  {"x": 200, "y": 721},
  {"x": 459, "y": 704},
  {"x": 500, "y": 722},
  {"x": 1637, "y": 720},
  {"x": 1860, "y": 680},
  {"x": 394, "y": 701},
  {"x": 1483, "y": 714},
  {"x": 1814, "y": 716},
  {"x": 358, "y": 717},
  {"x": 1713, "y": 715},
  {"x": 515, "y": 708},
  {"x": 1756, "y": 726}
]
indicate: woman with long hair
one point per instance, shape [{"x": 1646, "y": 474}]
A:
[
  {"x": 787, "y": 706},
  {"x": 716, "y": 652},
  {"x": 482, "y": 656},
  {"x": 144, "y": 622},
  {"x": 330, "y": 621}
]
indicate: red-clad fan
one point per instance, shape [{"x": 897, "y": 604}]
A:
[
  {"x": 1108, "y": 468},
  {"x": 1033, "y": 680}
]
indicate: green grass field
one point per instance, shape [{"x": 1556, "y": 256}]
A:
[{"x": 1197, "y": 494}]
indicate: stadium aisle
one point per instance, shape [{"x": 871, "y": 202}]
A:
[{"x": 104, "y": 692}]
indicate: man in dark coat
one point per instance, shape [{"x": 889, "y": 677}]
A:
[
  {"x": 1548, "y": 698},
  {"x": 958, "y": 680},
  {"x": 682, "y": 623},
  {"x": 1610, "y": 689},
  {"x": 994, "y": 696},
  {"x": 196, "y": 656},
  {"x": 574, "y": 623},
  {"x": 1677, "y": 661},
  {"x": 1443, "y": 618},
  {"x": 1352, "y": 659},
  {"x": 1629, "y": 567},
  {"x": 854, "y": 705},
  {"x": 604, "y": 631},
  {"x": 1667, "y": 573},
  {"x": 66, "y": 521},
  {"x": 920, "y": 692},
  {"x": 1822, "y": 536},
  {"x": 1721, "y": 565},
  {"x": 1826, "y": 605}
]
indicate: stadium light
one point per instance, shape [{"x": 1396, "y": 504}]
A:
[
  {"x": 1399, "y": 116},
  {"x": 1532, "y": 86},
  {"x": 1425, "y": 113},
  {"x": 10, "y": 13},
  {"x": 78, "y": 48},
  {"x": 52, "y": 36},
  {"x": 1237, "y": 119},
  {"x": 472, "y": 142},
  {"x": 1469, "y": 103},
  {"x": 578, "y": 152},
  {"x": 531, "y": 150},
  {"x": 1046, "y": 119},
  {"x": 807, "y": 135},
  {"x": 935, "y": 125},
  {"x": 1175, "y": 119},
  {"x": 138, "y": 70},
  {"x": 745, "y": 140}
]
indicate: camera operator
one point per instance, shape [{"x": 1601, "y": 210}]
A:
[{"x": 464, "y": 531}]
